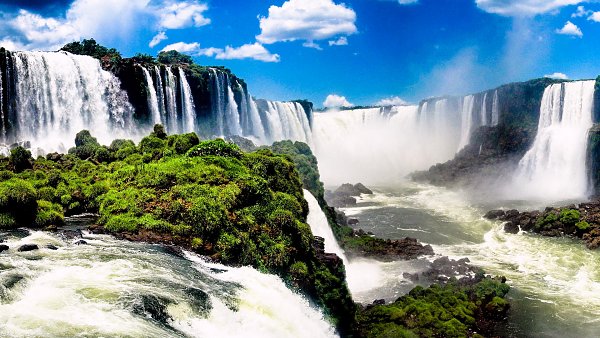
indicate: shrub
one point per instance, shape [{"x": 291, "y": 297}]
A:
[
  {"x": 20, "y": 159},
  {"x": 18, "y": 198},
  {"x": 183, "y": 143},
  {"x": 216, "y": 148},
  {"x": 569, "y": 216},
  {"x": 583, "y": 225},
  {"x": 49, "y": 214}
]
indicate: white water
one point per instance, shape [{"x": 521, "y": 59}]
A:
[
  {"x": 467, "y": 124},
  {"x": 286, "y": 121},
  {"x": 377, "y": 145},
  {"x": 187, "y": 104},
  {"x": 59, "y": 94},
  {"x": 483, "y": 118},
  {"x": 171, "y": 120},
  {"x": 555, "y": 166},
  {"x": 152, "y": 97},
  {"x": 555, "y": 281},
  {"x": 495, "y": 109},
  {"x": 95, "y": 289}
]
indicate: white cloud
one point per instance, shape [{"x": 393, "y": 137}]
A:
[
  {"x": 559, "y": 76},
  {"x": 308, "y": 20},
  {"x": 108, "y": 21},
  {"x": 312, "y": 44},
  {"x": 524, "y": 7},
  {"x": 595, "y": 16},
  {"x": 342, "y": 41},
  {"x": 391, "y": 101},
  {"x": 254, "y": 51},
  {"x": 336, "y": 101},
  {"x": 158, "y": 38},
  {"x": 182, "y": 47},
  {"x": 570, "y": 29},
  {"x": 581, "y": 12},
  {"x": 183, "y": 14}
]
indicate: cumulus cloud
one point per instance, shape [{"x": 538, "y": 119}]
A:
[
  {"x": 306, "y": 20},
  {"x": 581, "y": 12},
  {"x": 158, "y": 38},
  {"x": 183, "y": 14},
  {"x": 559, "y": 76},
  {"x": 570, "y": 29},
  {"x": 182, "y": 47},
  {"x": 342, "y": 41},
  {"x": 336, "y": 101},
  {"x": 595, "y": 16},
  {"x": 523, "y": 7},
  {"x": 106, "y": 20},
  {"x": 254, "y": 51},
  {"x": 391, "y": 101}
]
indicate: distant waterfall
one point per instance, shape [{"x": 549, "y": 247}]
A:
[
  {"x": 55, "y": 95},
  {"x": 467, "y": 120},
  {"x": 555, "y": 166},
  {"x": 483, "y": 114},
  {"x": 495, "y": 109},
  {"x": 285, "y": 121},
  {"x": 187, "y": 104},
  {"x": 382, "y": 145},
  {"x": 153, "y": 102}
]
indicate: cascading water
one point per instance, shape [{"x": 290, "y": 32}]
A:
[
  {"x": 170, "y": 89},
  {"x": 377, "y": 145},
  {"x": 57, "y": 95},
  {"x": 555, "y": 166},
  {"x": 153, "y": 102},
  {"x": 467, "y": 125},
  {"x": 286, "y": 121},
  {"x": 187, "y": 104},
  {"x": 483, "y": 115},
  {"x": 495, "y": 109},
  {"x": 116, "y": 288}
]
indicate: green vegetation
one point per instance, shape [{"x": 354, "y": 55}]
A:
[
  {"x": 569, "y": 216},
  {"x": 438, "y": 311},
  {"x": 91, "y": 48},
  {"x": 210, "y": 197},
  {"x": 174, "y": 57}
]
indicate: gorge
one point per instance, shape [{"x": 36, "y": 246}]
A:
[{"x": 530, "y": 144}]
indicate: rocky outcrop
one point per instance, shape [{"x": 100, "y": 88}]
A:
[
  {"x": 3, "y": 247},
  {"x": 362, "y": 244},
  {"x": 346, "y": 194},
  {"x": 577, "y": 221},
  {"x": 28, "y": 247}
]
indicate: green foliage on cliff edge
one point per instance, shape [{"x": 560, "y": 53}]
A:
[{"x": 238, "y": 208}]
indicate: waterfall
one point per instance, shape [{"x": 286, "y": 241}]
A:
[
  {"x": 495, "y": 109},
  {"x": 483, "y": 119},
  {"x": 152, "y": 97},
  {"x": 187, "y": 104},
  {"x": 285, "y": 121},
  {"x": 467, "y": 124},
  {"x": 171, "y": 101},
  {"x": 232, "y": 115},
  {"x": 162, "y": 107},
  {"x": 57, "y": 95},
  {"x": 320, "y": 227},
  {"x": 2, "y": 121},
  {"x": 555, "y": 166}
]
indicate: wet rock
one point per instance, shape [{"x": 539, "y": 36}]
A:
[
  {"x": 379, "y": 302},
  {"x": 28, "y": 247},
  {"x": 4, "y": 247},
  {"x": 71, "y": 234},
  {"x": 511, "y": 228},
  {"x": 494, "y": 214},
  {"x": 352, "y": 221},
  {"x": 81, "y": 242},
  {"x": 413, "y": 277},
  {"x": 51, "y": 247},
  {"x": 344, "y": 196},
  {"x": 153, "y": 307},
  {"x": 173, "y": 250},
  {"x": 199, "y": 300}
]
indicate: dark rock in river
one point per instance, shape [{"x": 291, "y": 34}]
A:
[
  {"x": 28, "y": 247},
  {"x": 344, "y": 196},
  {"x": 352, "y": 221},
  {"x": 4, "y": 247},
  {"x": 81, "y": 242},
  {"x": 51, "y": 247}
]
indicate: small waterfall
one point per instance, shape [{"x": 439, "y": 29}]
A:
[
  {"x": 285, "y": 121},
  {"x": 320, "y": 227},
  {"x": 153, "y": 102},
  {"x": 555, "y": 166},
  {"x": 57, "y": 95},
  {"x": 483, "y": 119},
  {"x": 467, "y": 125},
  {"x": 187, "y": 104},
  {"x": 495, "y": 109},
  {"x": 162, "y": 107},
  {"x": 232, "y": 114},
  {"x": 171, "y": 101},
  {"x": 2, "y": 118},
  {"x": 224, "y": 107}
]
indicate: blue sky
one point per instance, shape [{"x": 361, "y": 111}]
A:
[{"x": 361, "y": 50}]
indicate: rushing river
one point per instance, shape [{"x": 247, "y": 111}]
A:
[
  {"x": 113, "y": 288},
  {"x": 555, "y": 281}
]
